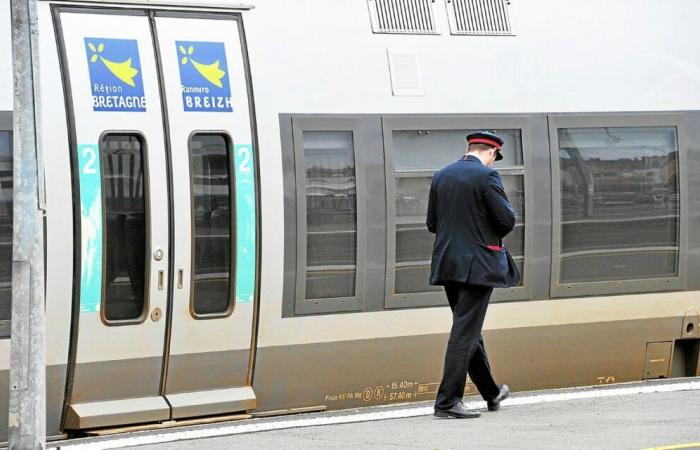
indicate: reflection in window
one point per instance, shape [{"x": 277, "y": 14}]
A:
[
  {"x": 414, "y": 243},
  {"x": 5, "y": 225},
  {"x": 211, "y": 203},
  {"x": 121, "y": 159},
  {"x": 331, "y": 214},
  {"x": 515, "y": 241},
  {"x": 434, "y": 149},
  {"x": 417, "y": 155},
  {"x": 619, "y": 203}
]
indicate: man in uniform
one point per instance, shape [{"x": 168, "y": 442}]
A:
[{"x": 469, "y": 213}]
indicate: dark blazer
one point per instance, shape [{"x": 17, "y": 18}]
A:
[{"x": 469, "y": 213}]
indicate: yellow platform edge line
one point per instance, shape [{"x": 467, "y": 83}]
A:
[{"x": 671, "y": 447}]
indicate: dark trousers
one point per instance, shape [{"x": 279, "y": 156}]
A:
[{"x": 465, "y": 349}]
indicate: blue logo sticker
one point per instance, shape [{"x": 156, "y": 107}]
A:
[
  {"x": 204, "y": 76},
  {"x": 115, "y": 74}
]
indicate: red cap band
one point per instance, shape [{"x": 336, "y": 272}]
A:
[{"x": 485, "y": 141}]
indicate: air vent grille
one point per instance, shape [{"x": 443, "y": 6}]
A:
[
  {"x": 403, "y": 16},
  {"x": 480, "y": 17}
]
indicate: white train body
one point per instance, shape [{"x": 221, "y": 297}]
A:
[{"x": 294, "y": 71}]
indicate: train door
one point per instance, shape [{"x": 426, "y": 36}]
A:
[
  {"x": 164, "y": 168},
  {"x": 204, "y": 79}
]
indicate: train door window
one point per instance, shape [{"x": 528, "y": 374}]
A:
[
  {"x": 619, "y": 208},
  {"x": 125, "y": 224},
  {"x": 5, "y": 228},
  {"x": 210, "y": 172},
  {"x": 416, "y": 150}
]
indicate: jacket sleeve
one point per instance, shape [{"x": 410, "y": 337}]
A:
[
  {"x": 431, "y": 220},
  {"x": 502, "y": 213}
]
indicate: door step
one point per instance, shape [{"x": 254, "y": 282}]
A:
[
  {"x": 214, "y": 402},
  {"x": 116, "y": 412},
  {"x": 166, "y": 424},
  {"x": 186, "y": 405}
]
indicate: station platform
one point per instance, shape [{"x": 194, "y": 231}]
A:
[{"x": 660, "y": 414}]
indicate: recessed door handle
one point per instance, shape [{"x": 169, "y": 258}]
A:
[
  {"x": 180, "y": 276},
  {"x": 161, "y": 279}
]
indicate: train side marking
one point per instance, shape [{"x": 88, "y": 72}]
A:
[
  {"x": 204, "y": 76},
  {"x": 90, "y": 228},
  {"x": 245, "y": 222},
  {"x": 115, "y": 74}
]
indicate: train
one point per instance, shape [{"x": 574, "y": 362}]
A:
[{"x": 236, "y": 194}]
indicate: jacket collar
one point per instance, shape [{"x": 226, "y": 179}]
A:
[{"x": 471, "y": 158}]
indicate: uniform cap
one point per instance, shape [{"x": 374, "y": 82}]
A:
[{"x": 488, "y": 138}]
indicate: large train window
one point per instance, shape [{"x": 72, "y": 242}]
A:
[
  {"x": 125, "y": 224},
  {"x": 356, "y": 192},
  {"x": 5, "y": 229},
  {"x": 618, "y": 208},
  {"x": 212, "y": 197},
  {"x": 417, "y": 149}
]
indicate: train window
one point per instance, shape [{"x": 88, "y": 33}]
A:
[
  {"x": 5, "y": 225},
  {"x": 331, "y": 214},
  {"x": 619, "y": 206},
  {"x": 125, "y": 216},
  {"x": 210, "y": 172},
  {"x": 334, "y": 195},
  {"x": 417, "y": 155}
]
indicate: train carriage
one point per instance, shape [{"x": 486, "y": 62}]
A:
[{"x": 236, "y": 198}]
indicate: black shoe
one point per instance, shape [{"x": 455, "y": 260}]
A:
[
  {"x": 503, "y": 393},
  {"x": 458, "y": 411}
]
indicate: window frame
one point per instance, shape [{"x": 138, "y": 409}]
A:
[
  {"x": 6, "y": 124},
  {"x": 623, "y": 286},
  {"x": 366, "y": 139},
  {"x": 452, "y": 122},
  {"x": 141, "y": 318},
  {"x": 232, "y": 218}
]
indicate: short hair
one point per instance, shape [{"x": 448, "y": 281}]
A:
[{"x": 478, "y": 147}]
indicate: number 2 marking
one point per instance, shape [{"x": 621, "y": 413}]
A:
[
  {"x": 244, "y": 167},
  {"x": 89, "y": 167}
]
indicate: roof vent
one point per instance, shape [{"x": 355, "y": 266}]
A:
[
  {"x": 479, "y": 17},
  {"x": 403, "y": 16}
]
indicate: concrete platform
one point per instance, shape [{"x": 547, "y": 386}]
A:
[{"x": 656, "y": 414}]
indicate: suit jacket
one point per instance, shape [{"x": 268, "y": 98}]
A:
[{"x": 469, "y": 212}]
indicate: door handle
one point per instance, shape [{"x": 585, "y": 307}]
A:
[
  {"x": 180, "y": 276},
  {"x": 161, "y": 279}
]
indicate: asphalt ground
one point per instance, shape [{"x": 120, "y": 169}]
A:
[{"x": 659, "y": 414}]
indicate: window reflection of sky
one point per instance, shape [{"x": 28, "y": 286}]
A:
[
  {"x": 433, "y": 149},
  {"x": 619, "y": 143}
]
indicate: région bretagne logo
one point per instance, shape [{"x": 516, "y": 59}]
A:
[{"x": 115, "y": 75}]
